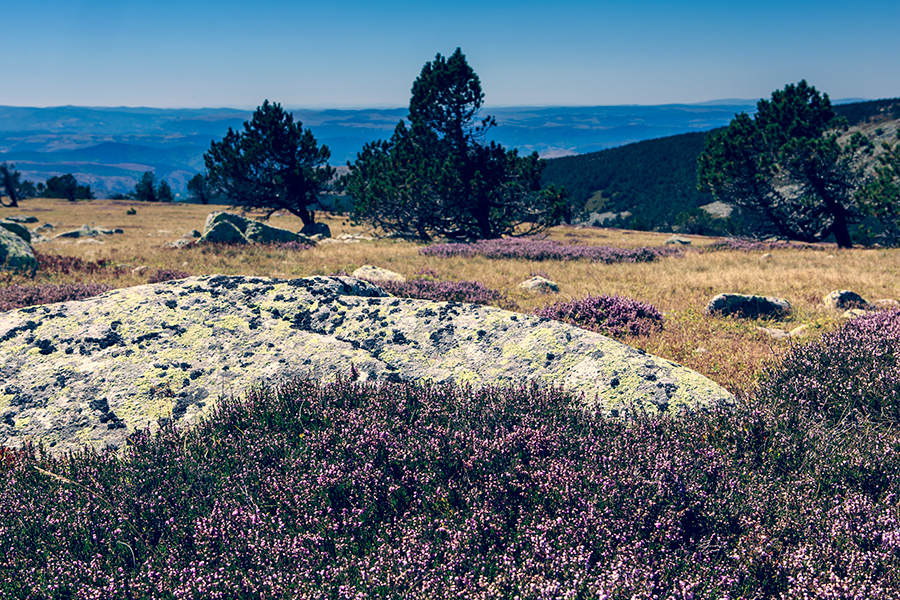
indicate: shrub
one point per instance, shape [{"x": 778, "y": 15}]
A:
[
  {"x": 448, "y": 291},
  {"x": 368, "y": 490},
  {"x": 609, "y": 315},
  {"x": 20, "y": 296},
  {"x": 529, "y": 249},
  {"x": 852, "y": 374}
]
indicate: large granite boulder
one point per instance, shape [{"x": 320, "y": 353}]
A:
[
  {"x": 229, "y": 228},
  {"x": 16, "y": 254},
  {"x": 845, "y": 300},
  {"x": 94, "y": 371},
  {"x": 16, "y": 228}
]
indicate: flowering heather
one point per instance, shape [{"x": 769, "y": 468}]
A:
[
  {"x": 743, "y": 245},
  {"x": 518, "y": 248},
  {"x": 366, "y": 490},
  {"x": 20, "y": 296},
  {"x": 448, "y": 291},
  {"x": 609, "y": 315},
  {"x": 162, "y": 275},
  {"x": 73, "y": 264},
  {"x": 851, "y": 375}
]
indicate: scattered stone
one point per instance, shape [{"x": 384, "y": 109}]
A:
[
  {"x": 16, "y": 228},
  {"x": 139, "y": 270},
  {"x": 45, "y": 228},
  {"x": 844, "y": 299},
  {"x": 193, "y": 233},
  {"x": 885, "y": 304},
  {"x": 798, "y": 331},
  {"x": 747, "y": 306},
  {"x": 22, "y": 219},
  {"x": 370, "y": 273},
  {"x": 540, "y": 285},
  {"x": 677, "y": 239},
  {"x": 775, "y": 333},
  {"x": 320, "y": 229},
  {"x": 162, "y": 352},
  {"x": 16, "y": 255},
  {"x": 766, "y": 257}
]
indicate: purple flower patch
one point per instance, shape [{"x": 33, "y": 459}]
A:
[
  {"x": 609, "y": 315},
  {"x": 529, "y": 249}
]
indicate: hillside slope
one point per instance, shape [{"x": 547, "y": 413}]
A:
[{"x": 656, "y": 180}]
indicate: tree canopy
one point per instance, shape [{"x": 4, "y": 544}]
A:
[
  {"x": 9, "y": 185},
  {"x": 66, "y": 186},
  {"x": 437, "y": 175},
  {"x": 274, "y": 164},
  {"x": 786, "y": 168}
]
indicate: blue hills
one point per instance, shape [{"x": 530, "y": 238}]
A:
[{"x": 109, "y": 148}]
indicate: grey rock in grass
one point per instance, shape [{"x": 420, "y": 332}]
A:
[
  {"x": 16, "y": 228},
  {"x": 27, "y": 219},
  {"x": 844, "y": 300},
  {"x": 370, "y": 273},
  {"x": 87, "y": 231},
  {"x": 94, "y": 371},
  {"x": 16, "y": 254},
  {"x": 540, "y": 285},
  {"x": 229, "y": 228},
  {"x": 320, "y": 229},
  {"x": 747, "y": 306},
  {"x": 678, "y": 240}
]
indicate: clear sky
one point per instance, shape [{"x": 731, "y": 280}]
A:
[{"x": 236, "y": 53}]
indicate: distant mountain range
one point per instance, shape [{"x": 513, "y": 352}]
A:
[{"x": 109, "y": 148}]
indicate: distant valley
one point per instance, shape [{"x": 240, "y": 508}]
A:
[{"x": 109, "y": 148}]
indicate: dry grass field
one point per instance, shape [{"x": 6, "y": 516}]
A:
[{"x": 732, "y": 352}]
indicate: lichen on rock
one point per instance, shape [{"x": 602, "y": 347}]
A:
[{"x": 94, "y": 371}]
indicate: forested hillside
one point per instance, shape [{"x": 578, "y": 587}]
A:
[{"x": 656, "y": 180}]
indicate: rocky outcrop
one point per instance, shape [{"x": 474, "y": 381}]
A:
[
  {"x": 16, "y": 253},
  {"x": 747, "y": 306},
  {"x": 16, "y": 228},
  {"x": 229, "y": 228},
  {"x": 93, "y": 371}
]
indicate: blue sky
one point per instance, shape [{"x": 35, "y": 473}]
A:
[{"x": 236, "y": 53}]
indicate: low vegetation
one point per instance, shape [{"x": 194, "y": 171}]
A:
[{"x": 354, "y": 489}]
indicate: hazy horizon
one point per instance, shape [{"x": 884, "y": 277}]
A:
[{"x": 354, "y": 54}]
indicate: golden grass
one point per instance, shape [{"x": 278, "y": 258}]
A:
[{"x": 732, "y": 352}]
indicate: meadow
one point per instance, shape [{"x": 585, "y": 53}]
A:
[{"x": 354, "y": 490}]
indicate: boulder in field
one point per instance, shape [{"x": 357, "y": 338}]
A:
[
  {"x": 95, "y": 371},
  {"x": 539, "y": 285},
  {"x": 16, "y": 254},
  {"x": 320, "y": 229},
  {"x": 844, "y": 300},
  {"x": 16, "y": 228},
  {"x": 748, "y": 306},
  {"x": 228, "y": 228}
]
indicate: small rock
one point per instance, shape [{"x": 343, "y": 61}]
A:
[
  {"x": 370, "y": 273},
  {"x": 854, "y": 313},
  {"x": 540, "y": 285},
  {"x": 774, "y": 333},
  {"x": 139, "y": 270},
  {"x": 885, "y": 304},
  {"x": 675, "y": 239},
  {"x": 22, "y": 219},
  {"x": 766, "y": 257},
  {"x": 844, "y": 299},
  {"x": 747, "y": 306},
  {"x": 798, "y": 331}
]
